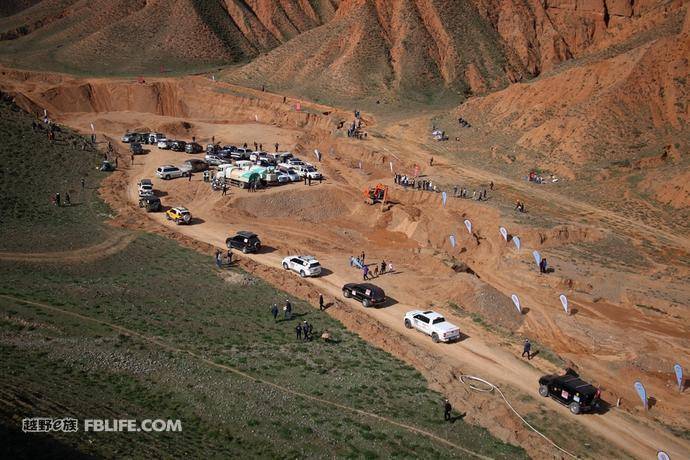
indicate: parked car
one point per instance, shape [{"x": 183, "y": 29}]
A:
[
  {"x": 308, "y": 171},
  {"x": 255, "y": 155},
  {"x": 168, "y": 172},
  {"x": 215, "y": 160},
  {"x": 291, "y": 173},
  {"x": 366, "y": 293},
  {"x": 165, "y": 144},
  {"x": 144, "y": 182},
  {"x": 193, "y": 147},
  {"x": 136, "y": 148},
  {"x": 194, "y": 165},
  {"x": 571, "y": 391},
  {"x": 179, "y": 215},
  {"x": 130, "y": 137},
  {"x": 178, "y": 146},
  {"x": 244, "y": 241},
  {"x": 281, "y": 177},
  {"x": 240, "y": 154},
  {"x": 154, "y": 138},
  {"x": 151, "y": 203},
  {"x": 304, "y": 265},
  {"x": 433, "y": 324}
]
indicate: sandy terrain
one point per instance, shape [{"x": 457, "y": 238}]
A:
[{"x": 610, "y": 337}]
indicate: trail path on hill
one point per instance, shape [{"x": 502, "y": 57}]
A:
[
  {"x": 108, "y": 247},
  {"x": 570, "y": 208}
]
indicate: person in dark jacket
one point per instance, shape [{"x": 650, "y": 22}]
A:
[
  {"x": 274, "y": 312},
  {"x": 447, "y": 409},
  {"x": 526, "y": 349},
  {"x": 321, "y": 305},
  {"x": 298, "y": 330}
]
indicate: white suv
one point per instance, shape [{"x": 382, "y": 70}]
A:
[
  {"x": 433, "y": 324},
  {"x": 304, "y": 265},
  {"x": 309, "y": 171},
  {"x": 169, "y": 172}
]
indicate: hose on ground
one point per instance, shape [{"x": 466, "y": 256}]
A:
[{"x": 488, "y": 387}]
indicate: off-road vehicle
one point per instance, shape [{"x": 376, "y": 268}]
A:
[
  {"x": 179, "y": 215},
  {"x": 304, "y": 265},
  {"x": 244, "y": 241},
  {"x": 366, "y": 293},
  {"x": 151, "y": 203},
  {"x": 570, "y": 390},
  {"x": 433, "y": 324}
]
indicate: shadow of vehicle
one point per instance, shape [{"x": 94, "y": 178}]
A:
[
  {"x": 389, "y": 302},
  {"x": 325, "y": 272},
  {"x": 265, "y": 250},
  {"x": 196, "y": 221}
]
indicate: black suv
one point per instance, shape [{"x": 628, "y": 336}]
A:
[
  {"x": 366, "y": 293},
  {"x": 178, "y": 146},
  {"x": 570, "y": 391},
  {"x": 150, "y": 203},
  {"x": 193, "y": 147},
  {"x": 136, "y": 148},
  {"x": 245, "y": 241}
]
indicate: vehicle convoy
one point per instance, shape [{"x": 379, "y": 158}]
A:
[
  {"x": 366, "y": 293},
  {"x": 179, "y": 215},
  {"x": 244, "y": 241},
  {"x": 168, "y": 172},
  {"x": 151, "y": 203},
  {"x": 433, "y": 324},
  {"x": 571, "y": 391},
  {"x": 304, "y": 265}
]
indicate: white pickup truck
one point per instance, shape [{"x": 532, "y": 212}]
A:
[{"x": 433, "y": 324}]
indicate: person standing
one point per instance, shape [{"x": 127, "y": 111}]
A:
[
  {"x": 83, "y": 184},
  {"x": 447, "y": 409},
  {"x": 190, "y": 177},
  {"x": 383, "y": 267},
  {"x": 274, "y": 312},
  {"x": 218, "y": 262},
  {"x": 365, "y": 272},
  {"x": 57, "y": 199},
  {"x": 526, "y": 349},
  {"x": 68, "y": 199},
  {"x": 298, "y": 331},
  {"x": 288, "y": 309},
  {"x": 225, "y": 189},
  {"x": 276, "y": 145}
]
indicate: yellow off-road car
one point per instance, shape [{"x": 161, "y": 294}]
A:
[{"x": 179, "y": 215}]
